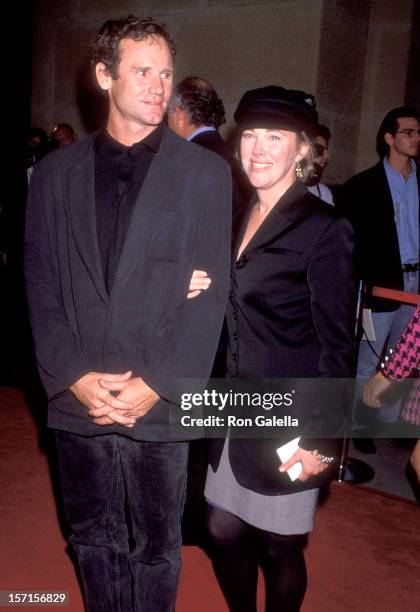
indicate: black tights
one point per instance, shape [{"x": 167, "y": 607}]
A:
[{"x": 237, "y": 549}]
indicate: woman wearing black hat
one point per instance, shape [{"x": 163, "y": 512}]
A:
[{"x": 290, "y": 315}]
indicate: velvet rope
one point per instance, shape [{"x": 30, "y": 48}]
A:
[{"x": 398, "y": 296}]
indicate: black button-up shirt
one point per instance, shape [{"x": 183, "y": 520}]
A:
[{"x": 120, "y": 172}]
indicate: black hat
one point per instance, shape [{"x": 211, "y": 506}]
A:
[{"x": 276, "y": 108}]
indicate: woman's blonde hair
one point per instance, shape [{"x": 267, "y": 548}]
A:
[{"x": 306, "y": 165}]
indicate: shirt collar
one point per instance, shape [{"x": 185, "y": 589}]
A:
[
  {"x": 200, "y": 130},
  {"x": 395, "y": 173},
  {"x": 108, "y": 145}
]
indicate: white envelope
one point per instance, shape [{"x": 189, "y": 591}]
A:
[{"x": 285, "y": 452}]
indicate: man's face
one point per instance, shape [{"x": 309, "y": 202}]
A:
[
  {"x": 321, "y": 152},
  {"x": 141, "y": 92},
  {"x": 178, "y": 122},
  {"x": 405, "y": 142},
  {"x": 173, "y": 120},
  {"x": 34, "y": 142}
]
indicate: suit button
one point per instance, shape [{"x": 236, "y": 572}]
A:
[
  {"x": 235, "y": 357},
  {"x": 235, "y": 316},
  {"x": 241, "y": 261},
  {"x": 235, "y": 336}
]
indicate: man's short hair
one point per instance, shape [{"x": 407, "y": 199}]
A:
[
  {"x": 105, "y": 45},
  {"x": 199, "y": 99},
  {"x": 63, "y": 126},
  {"x": 322, "y": 131},
  {"x": 390, "y": 126}
]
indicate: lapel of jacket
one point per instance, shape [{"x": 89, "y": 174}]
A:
[
  {"x": 157, "y": 187},
  {"x": 82, "y": 210},
  {"x": 386, "y": 195},
  {"x": 286, "y": 212}
]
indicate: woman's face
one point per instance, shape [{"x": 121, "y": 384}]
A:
[{"x": 269, "y": 157}]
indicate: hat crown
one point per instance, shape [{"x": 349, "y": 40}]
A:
[{"x": 275, "y": 106}]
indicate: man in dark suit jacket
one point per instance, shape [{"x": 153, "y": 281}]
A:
[
  {"x": 116, "y": 224},
  {"x": 196, "y": 112},
  {"x": 383, "y": 205}
]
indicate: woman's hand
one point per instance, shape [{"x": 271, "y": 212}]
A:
[
  {"x": 375, "y": 386},
  {"x": 199, "y": 282},
  {"x": 311, "y": 466}
]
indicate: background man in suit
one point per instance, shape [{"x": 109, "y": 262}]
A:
[
  {"x": 383, "y": 205},
  {"x": 196, "y": 112},
  {"x": 116, "y": 224}
]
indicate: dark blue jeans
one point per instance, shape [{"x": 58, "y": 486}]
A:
[{"x": 123, "y": 500}]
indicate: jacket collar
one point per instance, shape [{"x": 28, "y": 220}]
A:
[
  {"x": 80, "y": 187},
  {"x": 289, "y": 210}
]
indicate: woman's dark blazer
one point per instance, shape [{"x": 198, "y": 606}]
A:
[{"x": 291, "y": 315}]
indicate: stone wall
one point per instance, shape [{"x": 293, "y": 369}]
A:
[
  {"x": 353, "y": 54},
  {"x": 386, "y": 65}
]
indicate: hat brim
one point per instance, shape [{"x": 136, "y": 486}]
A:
[{"x": 273, "y": 113}]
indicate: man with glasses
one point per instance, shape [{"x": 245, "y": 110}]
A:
[{"x": 383, "y": 206}]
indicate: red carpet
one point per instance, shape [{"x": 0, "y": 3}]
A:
[{"x": 364, "y": 555}]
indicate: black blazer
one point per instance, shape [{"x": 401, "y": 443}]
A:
[
  {"x": 291, "y": 315},
  {"x": 366, "y": 201},
  {"x": 181, "y": 221}
]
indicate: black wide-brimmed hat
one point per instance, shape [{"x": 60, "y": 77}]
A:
[{"x": 274, "y": 107}]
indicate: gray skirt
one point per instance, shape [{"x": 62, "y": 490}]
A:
[{"x": 283, "y": 514}]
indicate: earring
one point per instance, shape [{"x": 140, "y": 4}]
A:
[{"x": 299, "y": 170}]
